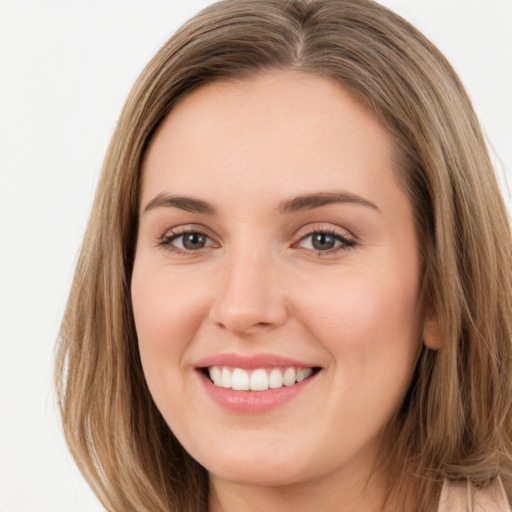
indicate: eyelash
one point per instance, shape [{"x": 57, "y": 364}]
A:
[
  {"x": 345, "y": 243},
  {"x": 167, "y": 239}
]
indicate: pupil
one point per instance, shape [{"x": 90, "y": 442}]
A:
[
  {"x": 323, "y": 241},
  {"x": 194, "y": 241}
]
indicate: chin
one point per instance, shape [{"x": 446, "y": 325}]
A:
[{"x": 261, "y": 469}]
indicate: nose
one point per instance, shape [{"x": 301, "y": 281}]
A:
[{"x": 251, "y": 297}]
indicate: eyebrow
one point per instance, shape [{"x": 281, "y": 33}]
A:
[
  {"x": 183, "y": 203},
  {"x": 311, "y": 201},
  {"x": 300, "y": 203}
]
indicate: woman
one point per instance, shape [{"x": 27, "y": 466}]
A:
[{"x": 296, "y": 285}]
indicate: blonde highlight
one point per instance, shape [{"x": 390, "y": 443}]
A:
[{"x": 456, "y": 421}]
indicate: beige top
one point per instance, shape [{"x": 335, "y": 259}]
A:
[{"x": 456, "y": 497}]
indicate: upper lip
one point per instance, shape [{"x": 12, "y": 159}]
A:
[{"x": 251, "y": 362}]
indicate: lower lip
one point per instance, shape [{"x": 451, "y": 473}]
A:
[{"x": 251, "y": 402}]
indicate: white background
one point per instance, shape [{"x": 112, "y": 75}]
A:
[{"x": 65, "y": 70}]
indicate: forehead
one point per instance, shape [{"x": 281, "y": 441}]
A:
[{"x": 302, "y": 131}]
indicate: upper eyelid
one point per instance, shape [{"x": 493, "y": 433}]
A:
[
  {"x": 325, "y": 228},
  {"x": 183, "y": 229},
  {"x": 307, "y": 229},
  {"x": 334, "y": 234},
  {"x": 300, "y": 234}
]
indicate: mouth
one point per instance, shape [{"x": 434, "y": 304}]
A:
[
  {"x": 255, "y": 383},
  {"x": 257, "y": 379}
]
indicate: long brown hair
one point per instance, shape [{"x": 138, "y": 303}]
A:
[{"x": 456, "y": 421}]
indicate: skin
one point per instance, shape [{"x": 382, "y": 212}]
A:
[{"x": 259, "y": 286}]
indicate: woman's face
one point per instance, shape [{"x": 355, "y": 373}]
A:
[{"x": 274, "y": 243}]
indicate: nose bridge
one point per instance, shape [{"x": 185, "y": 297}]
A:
[{"x": 249, "y": 296}]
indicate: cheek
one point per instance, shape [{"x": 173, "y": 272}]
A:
[
  {"x": 167, "y": 312},
  {"x": 365, "y": 320}
]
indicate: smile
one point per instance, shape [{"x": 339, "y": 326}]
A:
[
  {"x": 258, "y": 379},
  {"x": 255, "y": 383}
]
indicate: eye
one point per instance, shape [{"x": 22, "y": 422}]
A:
[
  {"x": 186, "y": 241},
  {"x": 325, "y": 241},
  {"x": 190, "y": 241}
]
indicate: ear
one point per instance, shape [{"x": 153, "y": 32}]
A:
[{"x": 431, "y": 333}]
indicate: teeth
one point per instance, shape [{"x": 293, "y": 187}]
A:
[
  {"x": 240, "y": 380},
  {"x": 257, "y": 380},
  {"x": 289, "y": 377},
  {"x": 303, "y": 374},
  {"x": 226, "y": 378},
  {"x": 276, "y": 379},
  {"x": 216, "y": 375}
]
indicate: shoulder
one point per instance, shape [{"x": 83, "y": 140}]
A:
[{"x": 461, "y": 497}]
